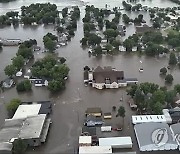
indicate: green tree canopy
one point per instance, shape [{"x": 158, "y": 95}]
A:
[
  {"x": 10, "y": 70},
  {"x": 13, "y": 105},
  {"x": 169, "y": 78}
]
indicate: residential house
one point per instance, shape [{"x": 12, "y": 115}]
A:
[
  {"x": 143, "y": 29},
  {"x": 121, "y": 30},
  {"x": 107, "y": 77},
  {"x": 122, "y": 49}
]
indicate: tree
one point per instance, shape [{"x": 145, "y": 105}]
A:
[
  {"x": 24, "y": 86},
  {"x": 18, "y": 62},
  {"x": 174, "y": 42},
  {"x": 172, "y": 59},
  {"x": 56, "y": 85},
  {"x": 19, "y": 146},
  {"x": 139, "y": 99},
  {"x": 156, "y": 24},
  {"x": 25, "y": 52},
  {"x": 111, "y": 33},
  {"x": 98, "y": 50},
  {"x": 12, "y": 106},
  {"x": 157, "y": 108},
  {"x": 163, "y": 70},
  {"x": 177, "y": 88},
  {"x": 49, "y": 44},
  {"x": 94, "y": 39},
  {"x": 169, "y": 78},
  {"x": 128, "y": 44},
  {"x": 10, "y": 70},
  {"x": 121, "y": 112},
  {"x": 83, "y": 41},
  {"x": 159, "y": 96},
  {"x": 170, "y": 95},
  {"x": 1, "y": 45},
  {"x": 62, "y": 60},
  {"x": 108, "y": 47}
]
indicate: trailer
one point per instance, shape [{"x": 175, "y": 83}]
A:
[{"x": 106, "y": 129}]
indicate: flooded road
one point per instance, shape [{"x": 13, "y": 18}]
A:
[{"x": 69, "y": 106}]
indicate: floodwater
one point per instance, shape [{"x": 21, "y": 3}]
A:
[{"x": 69, "y": 106}]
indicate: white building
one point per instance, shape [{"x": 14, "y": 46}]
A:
[
  {"x": 24, "y": 111},
  {"x": 116, "y": 142},
  {"x": 138, "y": 119},
  {"x": 147, "y": 136},
  {"x": 95, "y": 149}
]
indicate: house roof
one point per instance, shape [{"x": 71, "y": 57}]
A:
[
  {"x": 95, "y": 149},
  {"x": 26, "y": 128},
  {"x": 85, "y": 139},
  {"x": 93, "y": 110},
  {"x": 144, "y": 28},
  {"x": 100, "y": 74},
  {"x": 90, "y": 130},
  {"x": 144, "y": 134},
  {"x": 24, "y": 111},
  {"x": 45, "y": 108}
]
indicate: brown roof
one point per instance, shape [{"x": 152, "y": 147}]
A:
[
  {"x": 93, "y": 110},
  {"x": 100, "y": 74},
  {"x": 144, "y": 28}
]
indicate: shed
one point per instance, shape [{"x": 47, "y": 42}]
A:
[
  {"x": 106, "y": 129},
  {"x": 85, "y": 140},
  {"x": 6, "y": 148},
  {"x": 95, "y": 149},
  {"x": 116, "y": 142},
  {"x": 107, "y": 115},
  {"x": 94, "y": 111}
]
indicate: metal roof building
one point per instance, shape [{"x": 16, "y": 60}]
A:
[
  {"x": 138, "y": 119},
  {"x": 95, "y": 149},
  {"x": 32, "y": 129},
  {"x": 154, "y": 136},
  {"x": 24, "y": 111},
  {"x": 116, "y": 142}
]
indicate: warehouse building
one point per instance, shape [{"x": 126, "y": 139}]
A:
[{"x": 148, "y": 135}]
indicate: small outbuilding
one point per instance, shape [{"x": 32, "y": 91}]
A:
[
  {"x": 85, "y": 140},
  {"x": 95, "y": 149}
]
